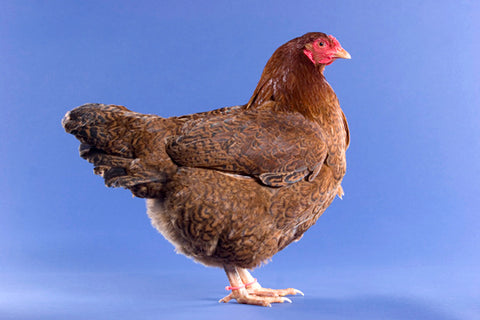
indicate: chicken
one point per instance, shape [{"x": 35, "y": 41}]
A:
[{"x": 233, "y": 186}]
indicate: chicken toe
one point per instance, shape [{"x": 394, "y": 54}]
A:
[
  {"x": 246, "y": 289},
  {"x": 242, "y": 296}
]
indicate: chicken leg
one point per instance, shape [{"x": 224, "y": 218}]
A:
[{"x": 246, "y": 289}]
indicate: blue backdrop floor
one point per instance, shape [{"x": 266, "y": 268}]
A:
[{"x": 407, "y": 293}]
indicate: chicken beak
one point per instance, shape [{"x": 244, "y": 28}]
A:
[{"x": 343, "y": 54}]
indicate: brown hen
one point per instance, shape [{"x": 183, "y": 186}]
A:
[{"x": 233, "y": 186}]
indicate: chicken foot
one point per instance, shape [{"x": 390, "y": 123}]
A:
[{"x": 246, "y": 289}]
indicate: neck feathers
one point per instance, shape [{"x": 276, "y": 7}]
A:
[{"x": 294, "y": 84}]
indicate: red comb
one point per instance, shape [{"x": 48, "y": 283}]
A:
[{"x": 335, "y": 41}]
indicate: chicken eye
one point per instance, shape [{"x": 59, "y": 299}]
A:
[{"x": 321, "y": 44}]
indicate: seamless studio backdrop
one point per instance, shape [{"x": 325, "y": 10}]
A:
[{"x": 402, "y": 244}]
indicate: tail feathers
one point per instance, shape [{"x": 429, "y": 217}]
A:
[
  {"x": 113, "y": 129},
  {"x": 144, "y": 181},
  {"x": 109, "y": 136}
]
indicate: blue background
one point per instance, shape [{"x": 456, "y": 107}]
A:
[{"x": 404, "y": 242}]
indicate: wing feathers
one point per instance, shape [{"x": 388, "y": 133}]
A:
[{"x": 277, "y": 148}]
